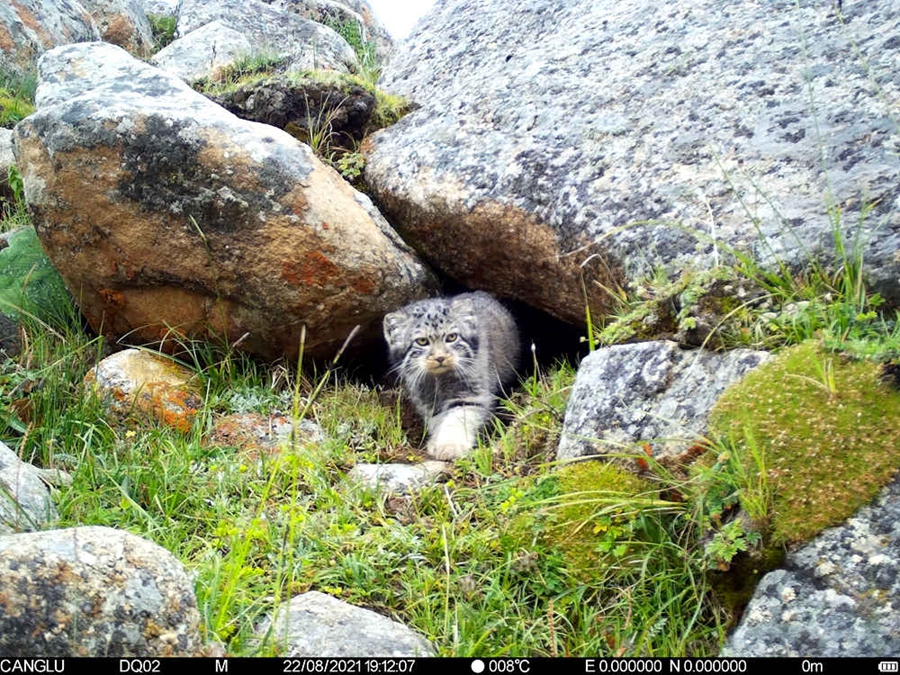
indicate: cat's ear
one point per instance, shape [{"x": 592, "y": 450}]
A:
[{"x": 393, "y": 326}]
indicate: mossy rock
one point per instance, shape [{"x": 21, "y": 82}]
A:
[
  {"x": 587, "y": 514},
  {"x": 826, "y": 427}
]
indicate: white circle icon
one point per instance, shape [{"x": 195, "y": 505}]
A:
[{"x": 477, "y": 666}]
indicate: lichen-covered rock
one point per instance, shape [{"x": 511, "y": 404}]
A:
[
  {"x": 94, "y": 591},
  {"x": 595, "y": 140},
  {"x": 25, "y": 502},
  {"x": 202, "y": 52},
  {"x": 837, "y": 596},
  {"x": 306, "y": 44},
  {"x": 123, "y": 23},
  {"x": 648, "y": 392},
  {"x": 30, "y": 27},
  {"x": 337, "y": 12},
  {"x": 168, "y": 216},
  {"x": 398, "y": 478},
  {"x": 315, "y": 624},
  {"x": 135, "y": 382},
  {"x": 263, "y": 434}
]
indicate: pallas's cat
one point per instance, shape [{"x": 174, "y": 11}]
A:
[{"x": 454, "y": 356}]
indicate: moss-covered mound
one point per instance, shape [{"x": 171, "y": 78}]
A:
[{"x": 824, "y": 430}]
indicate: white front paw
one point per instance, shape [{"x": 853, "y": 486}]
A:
[{"x": 448, "y": 451}]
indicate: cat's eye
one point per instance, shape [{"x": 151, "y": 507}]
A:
[
  {"x": 451, "y": 337},
  {"x": 421, "y": 341}
]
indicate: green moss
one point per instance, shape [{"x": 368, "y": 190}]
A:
[{"x": 826, "y": 430}]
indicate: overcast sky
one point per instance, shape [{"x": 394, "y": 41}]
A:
[{"x": 399, "y": 16}]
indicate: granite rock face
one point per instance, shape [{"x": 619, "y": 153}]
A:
[
  {"x": 168, "y": 217},
  {"x": 306, "y": 44},
  {"x": 25, "y": 502},
  {"x": 316, "y": 624},
  {"x": 30, "y": 27},
  {"x": 648, "y": 392},
  {"x": 202, "y": 52},
  {"x": 837, "y": 596},
  {"x": 123, "y": 23},
  {"x": 557, "y": 142},
  {"x": 331, "y": 12},
  {"x": 94, "y": 591}
]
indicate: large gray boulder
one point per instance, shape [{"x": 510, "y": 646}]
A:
[
  {"x": 25, "y": 502},
  {"x": 316, "y": 624},
  {"x": 649, "y": 392},
  {"x": 94, "y": 591},
  {"x": 837, "y": 596},
  {"x": 562, "y": 141},
  {"x": 169, "y": 217},
  {"x": 307, "y": 45}
]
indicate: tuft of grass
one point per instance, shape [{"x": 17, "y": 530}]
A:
[
  {"x": 354, "y": 33},
  {"x": 162, "y": 27}
]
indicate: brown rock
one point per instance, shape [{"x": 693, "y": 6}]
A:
[{"x": 170, "y": 218}]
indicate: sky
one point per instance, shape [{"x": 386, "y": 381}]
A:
[{"x": 399, "y": 16}]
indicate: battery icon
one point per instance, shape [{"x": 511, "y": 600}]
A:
[{"x": 888, "y": 667}]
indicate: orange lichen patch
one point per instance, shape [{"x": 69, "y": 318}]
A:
[
  {"x": 6, "y": 41},
  {"x": 31, "y": 22},
  {"x": 138, "y": 384},
  {"x": 364, "y": 285},
  {"x": 314, "y": 269}
]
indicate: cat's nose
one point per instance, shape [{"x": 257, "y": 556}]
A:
[{"x": 440, "y": 359}]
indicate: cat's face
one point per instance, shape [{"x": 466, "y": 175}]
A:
[{"x": 432, "y": 337}]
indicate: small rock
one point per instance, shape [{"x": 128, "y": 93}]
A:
[
  {"x": 649, "y": 392},
  {"x": 260, "y": 434},
  {"x": 94, "y": 591},
  {"x": 136, "y": 381},
  {"x": 25, "y": 503},
  {"x": 315, "y": 624},
  {"x": 398, "y": 478}
]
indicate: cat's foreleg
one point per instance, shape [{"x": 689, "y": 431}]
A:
[{"x": 455, "y": 431}]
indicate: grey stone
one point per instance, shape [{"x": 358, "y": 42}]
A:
[
  {"x": 25, "y": 502},
  {"x": 7, "y": 159},
  {"x": 651, "y": 392},
  {"x": 192, "y": 222},
  {"x": 202, "y": 52},
  {"x": 316, "y": 624},
  {"x": 30, "y": 27},
  {"x": 307, "y": 44},
  {"x": 94, "y": 591},
  {"x": 398, "y": 478},
  {"x": 340, "y": 11},
  {"x": 561, "y": 141},
  {"x": 838, "y": 595},
  {"x": 160, "y": 7}
]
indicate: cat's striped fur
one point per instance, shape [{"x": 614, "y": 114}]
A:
[{"x": 453, "y": 355}]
